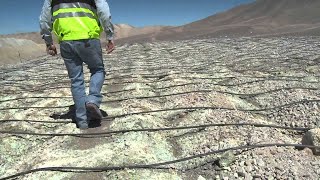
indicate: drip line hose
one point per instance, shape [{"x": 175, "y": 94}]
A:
[
  {"x": 154, "y": 130},
  {"x": 151, "y": 166},
  {"x": 180, "y": 108}
]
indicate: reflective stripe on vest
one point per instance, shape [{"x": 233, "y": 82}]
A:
[{"x": 75, "y": 19}]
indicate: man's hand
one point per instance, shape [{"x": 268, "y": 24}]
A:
[
  {"x": 110, "y": 46},
  {"x": 52, "y": 50}
]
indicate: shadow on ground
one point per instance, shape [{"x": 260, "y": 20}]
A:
[{"x": 71, "y": 114}]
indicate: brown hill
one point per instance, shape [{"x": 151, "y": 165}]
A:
[
  {"x": 124, "y": 30},
  {"x": 17, "y": 50},
  {"x": 33, "y": 36},
  {"x": 262, "y": 17}
]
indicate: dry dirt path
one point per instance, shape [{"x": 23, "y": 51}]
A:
[{"x": 163, "y": 85}]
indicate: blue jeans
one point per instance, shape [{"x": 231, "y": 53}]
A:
[{"x": 75, "y": 53}]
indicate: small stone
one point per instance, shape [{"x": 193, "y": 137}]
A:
[
  {"x": 248, "y": 177},
  {"x": 249, "y": 168},
  {"x": 278, "y": 168},
  {"x": 241, "y": 174},
  {"x": 260, "y": 163},
  {"x": 256, "y": 177},
  {"x": 254, "y": 162},
  {"x": 226, "y": 159},
  {"x": 278, "y": 176},
  {"x": 241, "y": 163},
  {"x": 270, "y": 178},
  {"x": 312, "y": 138},
  {"x": 227, "y": 169},
  {"x": 206, "y": 150},
  {"x": 235, "y": 175},
  {"x": 315, "y": 163},
  {"x": 201, "y": 178},
  {"x": 247, "y": 162},
  {"x": 273, "y": 151}
]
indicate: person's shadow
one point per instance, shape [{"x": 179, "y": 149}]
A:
[{"x": 71, "y": 114}]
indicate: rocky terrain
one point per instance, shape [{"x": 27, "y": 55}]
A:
[{"x": 199, "y": 83}]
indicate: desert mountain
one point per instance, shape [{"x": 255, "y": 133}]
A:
[{"x": 262, "y": 17}]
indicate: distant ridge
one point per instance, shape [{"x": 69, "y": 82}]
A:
[
  {"x": 121, "y": 31},
  {"x": 260, "y": 18}
]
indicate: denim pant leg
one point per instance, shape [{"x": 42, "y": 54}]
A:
[
  {"x": 91, "y": 53},
  {"x": 74, "y": 66}
]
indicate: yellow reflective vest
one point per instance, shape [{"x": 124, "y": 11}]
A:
[{"x": 75, "y": 19}]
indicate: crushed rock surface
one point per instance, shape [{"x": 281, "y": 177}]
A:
[{"x": 170, "y": 84}]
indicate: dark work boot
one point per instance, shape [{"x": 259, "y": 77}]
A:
[{"x": 94, "y": 111}]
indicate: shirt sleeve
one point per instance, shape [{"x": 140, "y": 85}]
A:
[
  {"x": 104, "y": 15},
  {"x": 45, "y": 20}
]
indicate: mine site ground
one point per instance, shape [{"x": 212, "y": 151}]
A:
[{"x": 269, "y": 81}]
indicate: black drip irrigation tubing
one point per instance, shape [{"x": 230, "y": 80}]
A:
[
  {"x": 71, "y": 169},
  {"x": 155, "y": 68},
  {"x": 35, "y": 107},
  {"x": 212, "y": 108},
  {"x": 261, "y": 79},
  {"x": 160, "y": 96},
  {"x": 176, "y": 109},
  {"x": 218, "y": 84},
  {"x": 205, "y": 91},
  {"x": 35, "y": 121},
  {"x": 113, "y": 92},
  {"x": 165, "y": 74},
  {"x": 166, "y": 95},
  {"x": 161, "y": 88},
  {"x": 163, "y": 80},
  {"x": 36, "y": 97},
  {"x": 271, "y": 91},
  {"x": 154, "y": 130}
]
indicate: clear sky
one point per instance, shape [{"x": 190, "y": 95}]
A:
[{"x": 22, "y": 15}]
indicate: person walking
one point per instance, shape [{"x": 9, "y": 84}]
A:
[{"x": 77, "y": 25}]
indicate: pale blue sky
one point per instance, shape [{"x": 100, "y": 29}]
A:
[{"x": 22, "y": 15}]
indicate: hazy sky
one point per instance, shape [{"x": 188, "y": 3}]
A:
[{"x": 22, "y": 15}]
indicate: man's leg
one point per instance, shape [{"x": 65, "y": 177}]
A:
[
  {"x": 91, "y": 53},
  {"x": 74, "y": 66}
]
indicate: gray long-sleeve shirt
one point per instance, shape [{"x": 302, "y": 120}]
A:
[{"x": 103, "y": 13}]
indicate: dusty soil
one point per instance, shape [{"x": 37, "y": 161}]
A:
[{"x": 154, "y": 85}]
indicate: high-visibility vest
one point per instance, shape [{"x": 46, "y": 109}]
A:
[{"x": 75, "y": 19}]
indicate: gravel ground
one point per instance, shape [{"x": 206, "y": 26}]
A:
[{"x": 271, "y": 81}]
